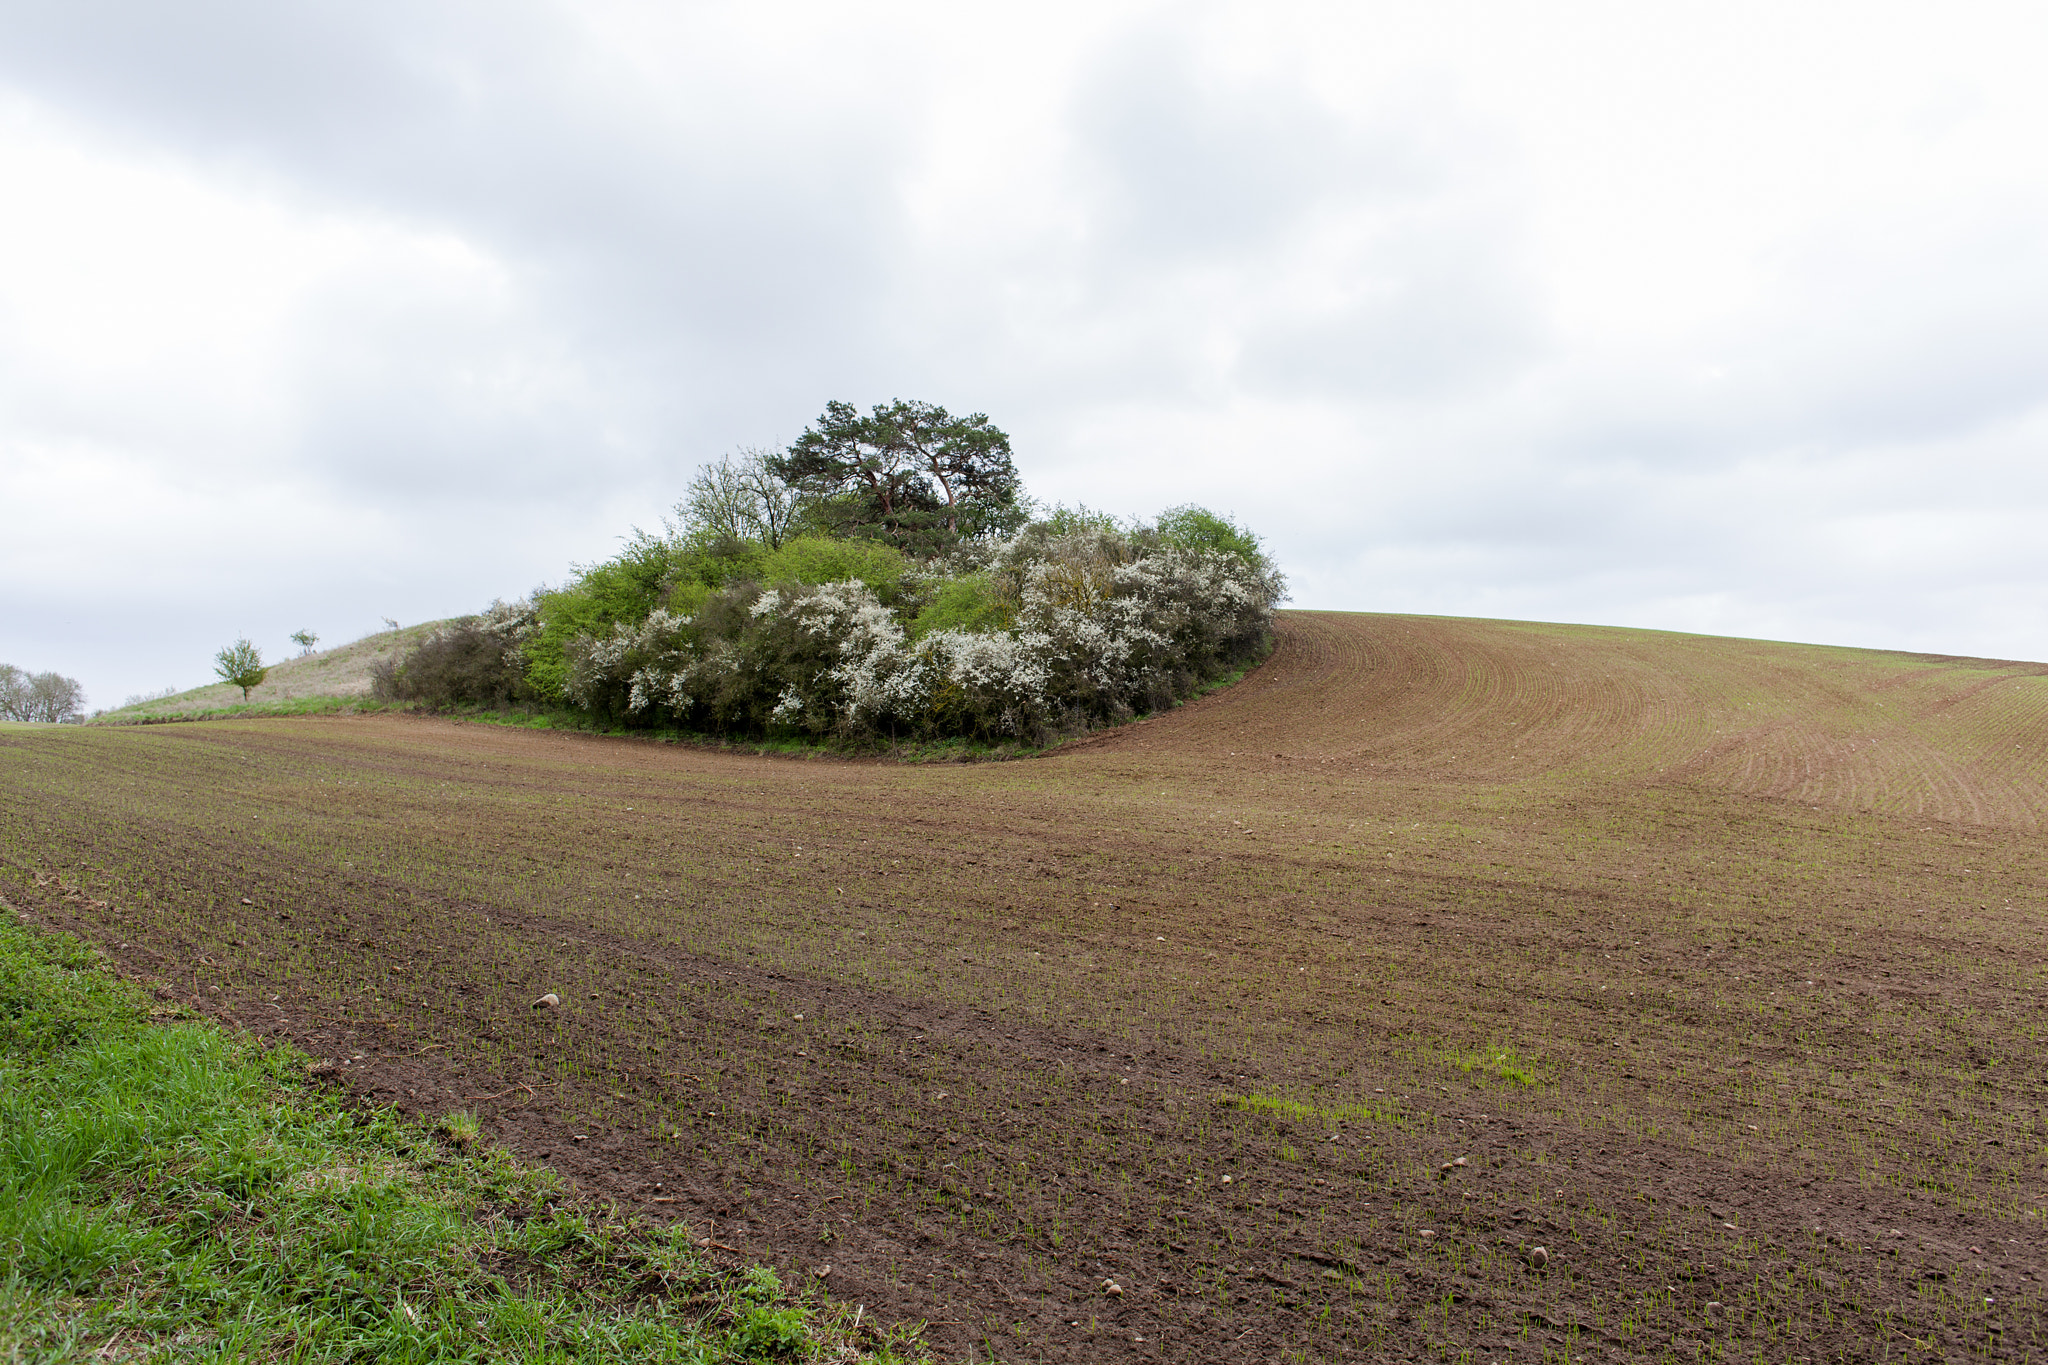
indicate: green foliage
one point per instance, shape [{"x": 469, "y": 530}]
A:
[
  {"x": 624, "y": 588},
  {"x": 1049, "y": 636},
  {"x": 968, "y": 603},
  {"x": 1189, "y": 527},
  {"x": 1080, "y": 519},
  {"x": 241, "y": 664},
  {"x": 305, "y": 640},
  {"x": 811, "y": 560},
  {"x": 684, "y": 576},
  {"x": 909, "y": 473}
]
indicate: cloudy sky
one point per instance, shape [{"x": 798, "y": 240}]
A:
[{"x": 1718, "y": 317}]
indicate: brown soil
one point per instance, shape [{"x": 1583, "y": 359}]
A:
[{"x": 1209, "y": 1009}]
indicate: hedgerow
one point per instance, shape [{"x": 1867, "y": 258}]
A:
[
  {"x": 1019, "y": 632},
  {"x": 1039, "y": 636}
]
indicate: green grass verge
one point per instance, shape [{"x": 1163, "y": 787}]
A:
[
  {"x": 295, "y": 706},
  {"x": 168, "y": 1191}
]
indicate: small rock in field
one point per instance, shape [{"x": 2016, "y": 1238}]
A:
[
  {"x": 1226, "y": 1180},
  {"x": 1538, "y": 1258},
  {"x": 1112, "y": 1287},
  {"x": 550, "y": 1001},
  {"x": 247, "y": 901},
  {"x": 1427, "y": 1234},
  {"x": 1458, "y": 1162}
]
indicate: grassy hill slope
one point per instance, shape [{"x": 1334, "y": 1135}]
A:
[{"x": 341, "y": 672}]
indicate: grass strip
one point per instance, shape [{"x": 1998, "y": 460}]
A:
[
  {"x": 354, "y": 704},
  {"x": 171, "y": 1191}
]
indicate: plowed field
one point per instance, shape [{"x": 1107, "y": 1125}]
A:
[{"x": 1279, "y": 1027}]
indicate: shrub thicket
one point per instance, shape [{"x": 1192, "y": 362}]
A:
[
  {"x": 1045, "y": 634},
  {"x": 473, "y": 662},
  {"x": 778, "y": 619}
]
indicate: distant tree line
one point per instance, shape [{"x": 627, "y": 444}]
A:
[
  {"x": 884, "y": 577},
  {"x": 45, "y": 698}
]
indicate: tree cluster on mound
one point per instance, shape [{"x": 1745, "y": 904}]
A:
[{"x": 884, "y": 578}]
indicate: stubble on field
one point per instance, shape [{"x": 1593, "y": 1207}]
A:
[{"x": 1283, "y": 1026}]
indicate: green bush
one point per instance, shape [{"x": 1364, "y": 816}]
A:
[
  {"x": 811, "y": 560},
  {"x": 626, "y": 588},
  {"x": 474, "y": 662},
  {"x": 1189, "y": 527},
  {"x": 967, "y": 603},
  {"x": 1048, "y": 635}
]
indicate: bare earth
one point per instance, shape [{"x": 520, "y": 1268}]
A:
[{"x": 1280, "y": 1027}]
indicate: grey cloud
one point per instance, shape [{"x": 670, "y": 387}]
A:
[
  {"x": 1858, "y": 348},
  {"x": 641, "y": 221},
  {"x": 682, "y": 262},
  {"x": 1442, "y": 309},
  {"x": 1183, "y": 164},
  {"x": 1368, "y": 258},
  {"x": 1937, "y": 335}
]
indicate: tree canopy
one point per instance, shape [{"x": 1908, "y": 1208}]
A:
[
  {"x": 40, "y": 697},
  {"x": 737, "y": 500},
  {"x": 1189, "y": 527},
  {"x": 241, "y": 665},
  {"x": 907, "y": 472}
]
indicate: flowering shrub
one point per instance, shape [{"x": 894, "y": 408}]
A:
[
  {"x": 476, "y": 660},
  {"x": 1077, "y": 627}
]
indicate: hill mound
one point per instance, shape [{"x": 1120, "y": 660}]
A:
[
  {"x": 343, "y": 671},
  {"x": 1922, "y": 735}
]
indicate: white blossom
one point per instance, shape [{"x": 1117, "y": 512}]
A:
[{"x": 1100, "y": 630}]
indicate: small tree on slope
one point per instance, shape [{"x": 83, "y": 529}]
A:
[{"x": 241, "y": 664}]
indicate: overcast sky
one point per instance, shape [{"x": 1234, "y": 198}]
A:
[{"x": 1721, "y": 317}]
